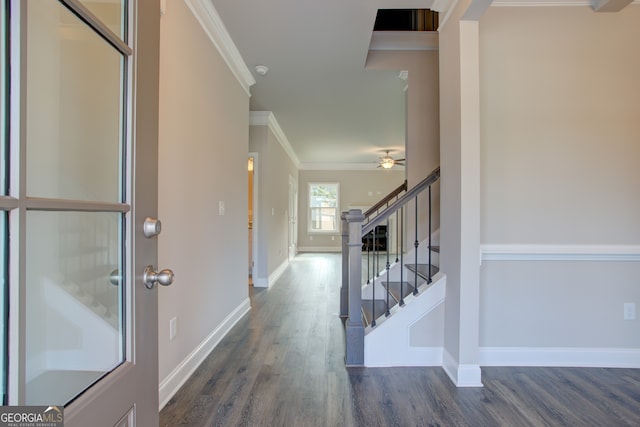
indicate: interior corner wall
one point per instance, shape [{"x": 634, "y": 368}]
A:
[
  {"x": 274, "y": 169},
  {"x": 203, "y": 146},
  {"x": 358, "y": 189},
  {"x": 460, "y": 194},
  {"x": 560, "y": 167}
]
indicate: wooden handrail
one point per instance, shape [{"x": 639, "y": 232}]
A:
[
  {"x": 386, "y": 199},
  {"x": 406, "y": 197}
]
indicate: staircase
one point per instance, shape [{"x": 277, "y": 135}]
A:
[{"x": 399, "y": 288}]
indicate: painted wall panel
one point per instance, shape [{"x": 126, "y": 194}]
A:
[{"x": 204, "y": 127}]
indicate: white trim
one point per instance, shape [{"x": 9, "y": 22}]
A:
[
  {"x": 273, "y": 277},
  {"x": 267, "y": 118},
  {"x": 404, "y": 40},
  {"x": 255, "y": 232},
  {"x": 561, "y": 357},
  {"x": 260, "y": 282},
  {"x": 333, "y": 166},
  {"x": 560, "y": 252},
  {"x": 319, "y": 249},
  {"x": 548, "y": 3},
  {"x": 460, "y": 374},
  {"x": 212, "y": 24},
  {"x": 172, "y": 383},
  {"x": 540, "y": 3}
]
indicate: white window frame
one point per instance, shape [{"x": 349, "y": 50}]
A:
[{"x": 310, "y": 229}]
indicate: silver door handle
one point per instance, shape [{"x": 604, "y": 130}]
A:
[{"x": 151, "y": 277}]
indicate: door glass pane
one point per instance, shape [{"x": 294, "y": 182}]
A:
[
  {"x": 74, "y": 113},
  {"x": 74, "y": 314},
  {"x": 110, "y": 12}
]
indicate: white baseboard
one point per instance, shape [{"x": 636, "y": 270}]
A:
[
  {"x": 172, "y": 383},
  {"x": 320, "y": 249},
  {"x": 263, "y": 282},
  {"x": 561, "y": 357},
  {"x": 460, "y": 374}
]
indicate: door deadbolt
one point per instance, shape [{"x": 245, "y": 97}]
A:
[{"x": 151, "y": 227}]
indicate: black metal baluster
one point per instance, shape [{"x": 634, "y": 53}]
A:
[
  {"x": 366, "y": 242},
  {"x": 416, "y": 244},
  {"x": 401, "y": 256},
  {"x": 388, "y": 266},
  {"x": 373, "y": 298},
  {"x": 430, "y": 247},
  {"x": 397, "y": 236}
]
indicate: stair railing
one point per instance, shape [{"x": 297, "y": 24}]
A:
[{"x": 356, "y": 227}]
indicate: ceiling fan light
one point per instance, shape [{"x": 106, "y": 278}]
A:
[{"x": 387, "y": 163}]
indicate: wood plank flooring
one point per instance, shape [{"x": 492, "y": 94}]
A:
[{"x": 283, "y": 365}]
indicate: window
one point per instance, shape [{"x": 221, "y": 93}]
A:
[{"x": 324, "y": 207}]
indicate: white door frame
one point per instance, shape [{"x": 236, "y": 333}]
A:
[
  {"x": 293, "y": 218},
  {"x": 256, "y": 215}
]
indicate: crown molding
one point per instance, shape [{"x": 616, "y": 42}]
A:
[
  {"x": 212, "y": 24},
  {"x": 267, "y": 118},
  {"x": 540, "y": 3}
]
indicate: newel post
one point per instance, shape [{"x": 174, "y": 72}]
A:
[
  {"x": 355, "y": 327},
  {"x": 344, "y": 288}
]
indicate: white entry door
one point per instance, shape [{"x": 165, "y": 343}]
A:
[{"x": 79, "y": 176}]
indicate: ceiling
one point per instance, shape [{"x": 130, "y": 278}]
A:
[{"x": 334, "y": 112}]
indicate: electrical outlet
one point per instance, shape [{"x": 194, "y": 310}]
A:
[
  {"x": 629, "y": 311},
  {"x": 221, "y": 207},
  {"x": 310, "y": 237},
  {"x": 173, "y": 328}
]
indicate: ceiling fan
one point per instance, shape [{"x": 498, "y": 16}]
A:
[{"x": 387, "y": 162}]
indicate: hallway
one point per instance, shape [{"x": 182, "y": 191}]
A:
[{"x": 282, "y": 365}]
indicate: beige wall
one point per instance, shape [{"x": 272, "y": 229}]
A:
[
  {"x": 423, "y": 118},
  {"x": 560, "y": 166},
  {"x": 274, "y": 167},
  {"x": 204, "y": 126},
  {"x": 422, "y": 121},
  {"x": 357, "y": 189}
]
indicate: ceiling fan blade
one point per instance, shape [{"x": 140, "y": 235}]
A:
[{"x": 400, "y": 160}]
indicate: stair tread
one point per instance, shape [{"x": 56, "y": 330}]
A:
[
  {"x": 394, "y": 289},
  {"x": 423, "y": 269},
  {"x": 435, "y": 248},
  {"x": 380, "y": 309}
]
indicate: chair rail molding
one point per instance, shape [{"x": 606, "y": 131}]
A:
[{"x": 521, "y": 252}]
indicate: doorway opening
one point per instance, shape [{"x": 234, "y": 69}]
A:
[{"x": 250, "y": 217}]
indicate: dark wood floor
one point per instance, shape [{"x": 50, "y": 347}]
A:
[{"x": 282, "y": 365}]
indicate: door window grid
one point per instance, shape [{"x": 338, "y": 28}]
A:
[{"x": 45, "y": 206}]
